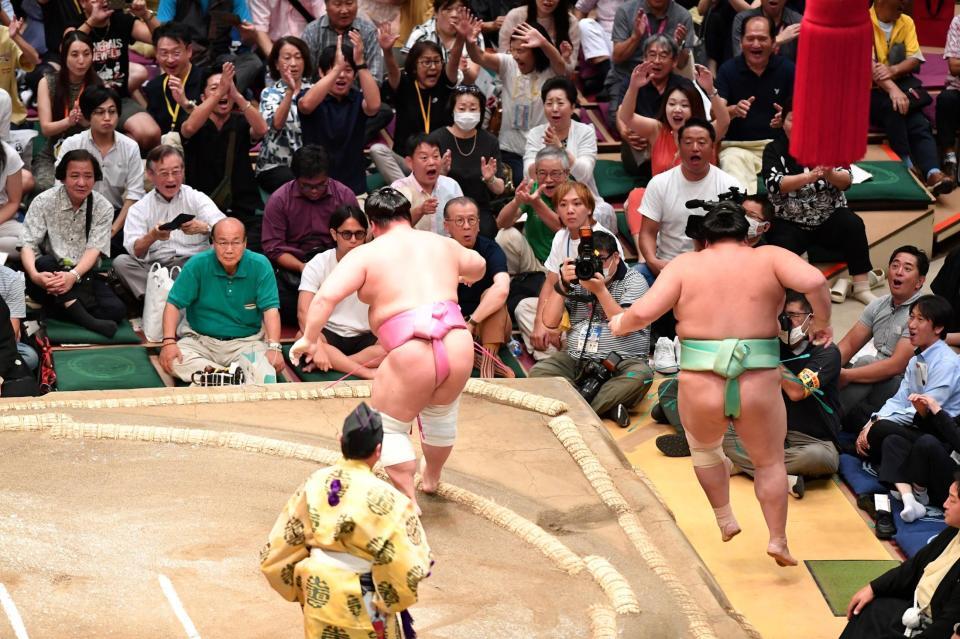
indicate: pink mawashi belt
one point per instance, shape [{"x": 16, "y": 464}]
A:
[{"x": 428, "y": 322}]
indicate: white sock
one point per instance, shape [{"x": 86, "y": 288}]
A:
[
  {"x": 921, "y": 494},
  {"x": 911, "y": 509}
]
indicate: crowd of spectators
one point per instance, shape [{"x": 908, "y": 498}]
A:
[{"x": 472, "y": 110}]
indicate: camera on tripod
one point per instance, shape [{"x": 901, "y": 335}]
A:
[
  {"x": 588, "y": 262},
  {"x": 596, "y": 374}
]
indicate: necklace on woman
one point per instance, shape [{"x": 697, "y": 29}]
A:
[{"x": 473, "y": 148}]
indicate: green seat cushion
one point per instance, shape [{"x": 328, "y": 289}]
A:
[
  {"x": 892, "y": 187},
  {"x": 612, "y": 181},
  {"x": 105, "y": 369},
  {"x": 313, "y": 376},
  {"x": 61, "y": 332},
  {"x": 375, "y": 181}
]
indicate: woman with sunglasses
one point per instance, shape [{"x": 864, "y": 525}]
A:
[
  {"x": 349, "y": 345},
  {"x": 421, "y": 90},
  {"x": 473, "y": 154}
]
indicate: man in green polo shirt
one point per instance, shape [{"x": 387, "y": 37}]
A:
[{"x": 231, "y": 301}]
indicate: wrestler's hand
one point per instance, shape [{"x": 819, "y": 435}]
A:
[
  {"x": 863, "y": 444},
  {"x": 618, "y": 325},
  {"x": 860, "y": 599},
  {"x": 302, "y": 348},
  {"x": 170, "y": 353},
  {"x": 821, "y": 335}
]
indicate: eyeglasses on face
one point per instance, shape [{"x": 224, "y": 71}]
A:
[
  {"x": 315, "y": 188},
  {"x": 465, "y": 222},
  {"x": 426, "y": 63},
  {"x": 351, "y": 235},
  {"x": 553, "y": 175},
  {"x": 104, "y": 112}
]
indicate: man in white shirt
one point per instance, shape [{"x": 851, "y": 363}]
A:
[
  {"x": 143, "y": 238},
  {"x": 664, "y": 210},
  {"x": 425, "y": 187},
  {"x": 118, "y": 155}
]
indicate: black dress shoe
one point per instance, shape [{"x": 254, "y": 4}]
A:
[
  {"x": 885, "y": 529},
  {"x": 620, "y": 414},
  {"x": 673, "y": 445}
]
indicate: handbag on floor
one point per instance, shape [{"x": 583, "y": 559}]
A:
[{"x": 159, "y": 282}]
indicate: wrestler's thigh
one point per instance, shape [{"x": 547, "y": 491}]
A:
[
  {"x": 762, "y": 425},
  {"x": 459, "y": 345},
  {"x": 405, "y": 380},
  {"x": 700, "y": 403}
]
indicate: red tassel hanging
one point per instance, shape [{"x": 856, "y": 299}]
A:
[{"x": 831, "y": 96}]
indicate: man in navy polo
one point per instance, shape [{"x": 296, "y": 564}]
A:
[{"x": 754, "y": 84}]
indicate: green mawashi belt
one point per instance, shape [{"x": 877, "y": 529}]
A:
[{"x": 729, "y": 358}]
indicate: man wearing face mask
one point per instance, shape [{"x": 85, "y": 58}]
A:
[
  {"x": 809, "y": 383},
  {"x": 590, "y": 302}
]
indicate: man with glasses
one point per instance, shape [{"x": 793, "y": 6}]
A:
[
  {"x": 661, "y": 52},
  {"x": 173, "y": 95},
  {"x": 636, "y": 21},
  {"x": 812, "y": 397},
  {"x": 229, "y": 295},
  {"x": 145, "y": 242},
  {"x": 590, "y": 303},
  {"x": 484, "y": 303},
  {"x": 296, "y": 221}
]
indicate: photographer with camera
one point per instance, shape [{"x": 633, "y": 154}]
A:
[{"x": 609, "y": 372}]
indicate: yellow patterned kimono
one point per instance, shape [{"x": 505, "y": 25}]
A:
[{"x": 317, "y": 552}]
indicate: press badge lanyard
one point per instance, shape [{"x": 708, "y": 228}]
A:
[
  {"x": 424, "y": 112},
  {"x": 174, "y": 112}
]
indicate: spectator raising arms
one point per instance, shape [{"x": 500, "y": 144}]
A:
[
  {"x": 279, "y": 105},
  {"x": 16, "y": 54},
  {"x": 171, "y": 97},
  {"x": 334, "y": 113},
  {"x": 349, "y": 345},
  {"x": 58, "y": 101},
  {"x": 532, "y": 61},
  {"x": 474, "y": 155},
  {"x": 442, "y": 29},
  {"x": 217, "y": 142},
  {"x": 421, "y": 91},
  {"x": 680, "y": 105},
  {"x": 556, "y": 17}
]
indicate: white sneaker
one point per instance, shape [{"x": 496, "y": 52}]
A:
[{"x": 665, "y": 357}]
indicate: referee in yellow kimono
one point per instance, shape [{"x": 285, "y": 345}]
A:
[{"x": 348, "y": 546}]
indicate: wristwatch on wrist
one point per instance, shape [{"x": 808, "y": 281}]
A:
[
  {"x": 360, "y": 67},
  {"x": 191, "y": 105},
  {"x": 274, "y": 346},
  {"x": 715, "y": 93}
]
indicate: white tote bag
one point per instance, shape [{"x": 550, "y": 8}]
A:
[{"x": 159, "y": 283}]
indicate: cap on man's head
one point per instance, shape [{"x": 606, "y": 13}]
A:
[{"x": 362, "y": 433}]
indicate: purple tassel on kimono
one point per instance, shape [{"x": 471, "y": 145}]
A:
[
  {"x": 406, "y": 620},
  {"x": 333, "y": 498}
]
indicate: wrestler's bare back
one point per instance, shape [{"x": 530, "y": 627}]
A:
[{"x": 405, "y": 268}]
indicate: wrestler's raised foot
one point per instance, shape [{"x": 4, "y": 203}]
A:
[
  {"x": 729, "y": 531},
  {"x": 780, "y": 553}
]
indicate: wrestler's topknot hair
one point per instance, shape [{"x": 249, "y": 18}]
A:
[
  {"x": 387, "y": 205},
  {"x": 725, "y": 222}
]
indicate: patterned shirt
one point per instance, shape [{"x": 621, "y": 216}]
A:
[
  {"x": 589, "y": 326},
  {"x": 319, "y": 35},
  {"x": 810, "y": 205},
  {"x": 952, "y": 50},
  {"x": 54, "y": 227},
  {"x": 12, "y": 286},
  {"x": 279, "y": 145}
]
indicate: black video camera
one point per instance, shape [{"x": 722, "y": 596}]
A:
[
  {"x": 731, "y": 201},
  {"x": 588, "y": 261},
  {"x": 596, "y": 374}
]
